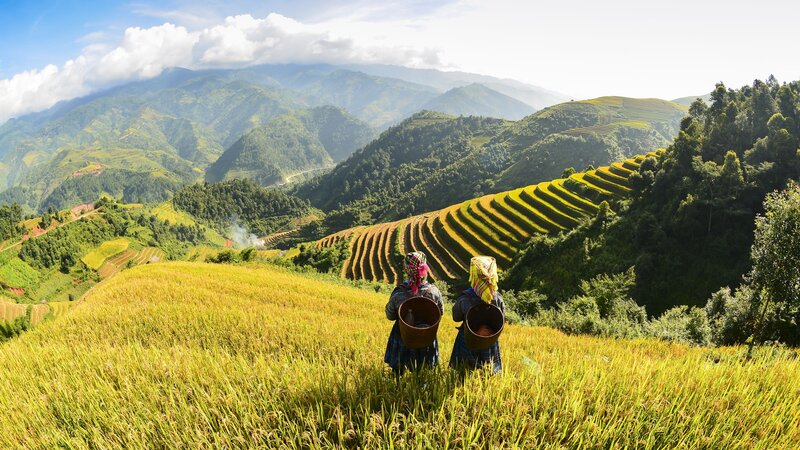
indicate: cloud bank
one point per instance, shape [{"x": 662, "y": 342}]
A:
[{"x": 237, "y": 42}]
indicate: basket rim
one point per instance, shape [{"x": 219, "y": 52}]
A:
[
  {"x": 490, "y": 306},
  {"x": 400, "y": 316}
]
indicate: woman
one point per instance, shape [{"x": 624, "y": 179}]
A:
[
  {"x": 483, "y": 279},
  {"x": 397, "y": 355}
]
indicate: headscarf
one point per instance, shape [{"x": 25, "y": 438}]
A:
[
  {"x": 483, "y": 277},
  {"x": 416, "y": 268}
]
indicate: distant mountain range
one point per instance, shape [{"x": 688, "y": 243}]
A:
[{"x": 263, "y": 122}]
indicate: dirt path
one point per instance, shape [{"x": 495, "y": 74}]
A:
[{"x": 73, "y": 218}]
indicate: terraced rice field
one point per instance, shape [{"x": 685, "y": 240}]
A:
[
  {"x": 10, "y": 311},
  {"x": 97, "y": 257},
  {"x": 496, "y": 225},
  {"x": 120, "y": 261}
]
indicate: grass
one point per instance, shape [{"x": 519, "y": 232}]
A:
[
  {"x": 167, "y": 212},
  {"x": 131, "y": 257},
  {"x": 107, "y": 249},
  {"x": 17, "y": 273},
  {"x": 52, "y": 284},
  {"x": 184, "y": 355}
]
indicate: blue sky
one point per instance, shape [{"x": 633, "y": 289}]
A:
[
  {"x": 52, "y": 50},
  {"x": 34, "y": 33}
]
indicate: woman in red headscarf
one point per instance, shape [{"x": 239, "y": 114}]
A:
[{"x": 398, "y": 356}]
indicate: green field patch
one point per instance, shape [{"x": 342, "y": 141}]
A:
[
  {"x": 167, "y": 212},
  {"x": 606, "y": 174},
  {"x": 620, "y": 170},
  {"x": 17, "y": 273},
  {"x": 50, "y": 286},
  {"x": 95, "y": 258},
  {"x": 546, "y": 192},
  {"x": 595, "y": 179},
  {"x": 557, "y": 188},
  {"x": 501, "y": 203},
  {"x": 532, "y": 197},
  {"x": 515, "y": 232},
  {"x": 478, "y": 236},
  {"x": 515, "y": 200},
  {"x": 446, "y": 259}
]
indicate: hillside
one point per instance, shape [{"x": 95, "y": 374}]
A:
[
  {"x": 198, "y": 355},
  {"x": 535, "y": 96},
  {"x": 242, "y": 207},
  {"x": 60, "y": 256},
  {"x": 397, "y": 160},
  {"x": 291, "y": 144},
  {"x": 455, "y": 161},
  {"x": 168, "y": 130},
  {"x": 479, "y": 100},
  {"x": 689, "y": 228},
  {"x": 497, "y": 225},
  {"x": 589, "y": 132}
]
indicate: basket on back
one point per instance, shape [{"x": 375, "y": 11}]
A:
[
  {"x": 424, "y": 315},
  {"x": 483, "y": 325}
]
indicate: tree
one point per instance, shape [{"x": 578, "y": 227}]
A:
[{"x": 775, "y": 277}]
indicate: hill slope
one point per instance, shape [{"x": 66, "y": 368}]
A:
[
  {"x": 479, "y": 100},
  {"x": 497, "y": 224},
  {"x": 169, "y": 129},
  {"x": 298, "y": 142},
  {"x": 197, "y": 355},
  {"x": 455, "y": 159}
]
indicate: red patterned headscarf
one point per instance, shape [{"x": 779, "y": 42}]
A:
[{"x": 416, "y": 268}]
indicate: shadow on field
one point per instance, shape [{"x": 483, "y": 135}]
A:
[{"x": 374, "y": 389}]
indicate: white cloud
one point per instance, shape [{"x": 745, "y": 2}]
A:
[{"x": 238, "y": 41}]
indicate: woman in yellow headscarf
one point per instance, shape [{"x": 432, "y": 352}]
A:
[{"x": 483, "y": 282}]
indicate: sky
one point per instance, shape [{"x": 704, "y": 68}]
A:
[{"x": 53, "y": 50}]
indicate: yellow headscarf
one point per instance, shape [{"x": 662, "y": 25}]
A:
[{"x": 483, "y": 277}]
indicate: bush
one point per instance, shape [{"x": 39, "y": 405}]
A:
[
  {"x": 324, "y": 260},
  {"x": 682, "y": 324},
  {"x": 523, "y": 304}
]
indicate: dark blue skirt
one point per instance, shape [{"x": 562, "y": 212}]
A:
[
  {"x": 401, "y": 358},
  {"x": 463, "y": 357}
]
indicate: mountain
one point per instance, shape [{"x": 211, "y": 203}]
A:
[
  {"x": 171, "y": 127},
  {"x": 295, "y": 143},
  {"x": 478, "y": 100},
  {"x": 167, "y": 131},
  {"x": 687, "y": 101},
  {"x": 399, "y": 159},
  {"x": 434, "y": 160},
  {"x": 582, "y": 133},
  {"x": 535, "y": 96}
]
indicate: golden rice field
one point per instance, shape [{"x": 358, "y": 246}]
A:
[
  {"x": 113, "y": 265},
  {"x": 496, "y": 224},
  {"x": 190, "y": 355},
  {"x": 107, "y": 249}
]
